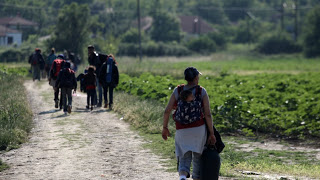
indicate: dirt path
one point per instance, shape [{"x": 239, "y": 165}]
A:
[{"x": 83, "y": 145}]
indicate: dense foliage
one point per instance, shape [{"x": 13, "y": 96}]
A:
[
  {"x": 152, "y": 48},
  {"x": 277, "y": 44},
  {"x": 71, "y": 32},
  {"x": 279, "y": 104},
  {"x": 240, "y": 21},
  {"x": 312, "y": 37}
]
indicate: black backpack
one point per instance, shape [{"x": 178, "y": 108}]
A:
[
  {"x": 67, "y": 78},
  {"x": 102, "y": 58}
]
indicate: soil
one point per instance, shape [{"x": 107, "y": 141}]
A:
[{"x": 81, "y": 145}]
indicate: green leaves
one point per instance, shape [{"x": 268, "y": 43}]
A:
[{"x": 279, "y": 104}]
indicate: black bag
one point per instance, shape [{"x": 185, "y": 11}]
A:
[
  {"x": 210, "y": 164},
  {"x": 210, "y": 159},
  {"x": 102, "y": 58},
  {"x": 219, "y": 146}
]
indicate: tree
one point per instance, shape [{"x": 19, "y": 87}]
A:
[
  {"x": 165, "y": 27},
  {"x": 312, "y": 33},
  {"x": 236, "y": 9},
  {"x": 132, "y": 36},
  {"x": 211, "y": 10},
  {"x": 71, "y": 31}
]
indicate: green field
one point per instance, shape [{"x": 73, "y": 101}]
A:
[{"x": 231, "y": 62}]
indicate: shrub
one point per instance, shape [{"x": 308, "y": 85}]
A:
[
  {"x": 219, "y": 39},
  {"x": 312, "y": 38},
  {"x": 11, "y": 55},
  {"x": 132, "y": 36},
  {"x": 153, "y": 49},
  {"x": 277, "y": 44},
  {"x": 202, "y": 44}
]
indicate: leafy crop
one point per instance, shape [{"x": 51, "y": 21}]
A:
[{"x": 279, "y": 104}]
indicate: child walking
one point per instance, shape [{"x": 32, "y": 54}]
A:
[
  {"x": 90, "y": 83},
  {"x": 66, "y": 81}
]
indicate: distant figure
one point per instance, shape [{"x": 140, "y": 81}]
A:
[
  {"x": 81, "y": 79},
  {"x": 37, "y": 63},
  {"x": 56, "y": 66},
  {"x": 90, "y": 86},
  {"x": 49, "y": 62},
  {"x": 72, "y": 60},
  {"x": 93, "y": 60},
  {"x": 109, "y": 79},
  {"x": 66, "y": 81}
]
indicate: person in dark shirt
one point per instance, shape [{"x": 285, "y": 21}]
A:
[
  {"x": 93, "y": 59},
  {"x": 109, "y": 79},
  {"x": 66, "y": 81},
  {"x": 90, "y": 85}
]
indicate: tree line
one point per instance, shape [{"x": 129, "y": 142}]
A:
[{"x": 110, "y": 25}]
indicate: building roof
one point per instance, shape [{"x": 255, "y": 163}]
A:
[
  {"x": 195, "y": 25},
  {"x": 16, "y": 21},
  {"x": 4, "y": 30}
]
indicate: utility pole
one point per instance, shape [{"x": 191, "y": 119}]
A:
[
  {"x": 296, "y": 20},
  {"x": 282, "y": 15},
  {"x": 139, "y": 29}
]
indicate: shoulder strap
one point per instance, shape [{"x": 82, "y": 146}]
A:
[
  {"x": 199, "y": 91},
  {"x": 180, "y": 88}
]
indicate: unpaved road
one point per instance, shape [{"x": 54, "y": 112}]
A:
[{"x": 83, "y": 145}]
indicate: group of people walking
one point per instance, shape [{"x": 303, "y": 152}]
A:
[
  {"x": 102, "y": 73},
  {"x": 190, "y": 102}
]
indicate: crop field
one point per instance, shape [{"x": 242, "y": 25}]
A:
[{"x": 271, "y": 96}]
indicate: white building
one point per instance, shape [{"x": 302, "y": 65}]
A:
[{"x": 9, "y": 36}]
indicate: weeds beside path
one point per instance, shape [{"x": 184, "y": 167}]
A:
[{"x": 83, "y": 145}]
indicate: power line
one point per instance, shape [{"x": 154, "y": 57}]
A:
[{"x": 235, "y": 8}]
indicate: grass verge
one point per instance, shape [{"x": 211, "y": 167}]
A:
[{"x": 15, "y": 114}]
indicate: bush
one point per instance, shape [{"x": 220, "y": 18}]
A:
[
  {"x": 11, "y": 55},
  {"x": 132, "y": 36},
  {"x": 202, "y": 44},
  {"x": 277, "y": 44},
  {"x": 312, "y": 38},
  {"x": 219, "y": 39},
  {"x": 153, "y": 49}
]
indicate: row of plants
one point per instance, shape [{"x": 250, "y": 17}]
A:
[
  {"x": 15, "y": 114},
  {"x": 279, "y": 104}
]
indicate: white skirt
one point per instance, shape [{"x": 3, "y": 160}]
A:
[{"x": 190, "y": 139}]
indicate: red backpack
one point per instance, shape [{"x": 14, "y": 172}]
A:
[{"x": 56, "y": 67}]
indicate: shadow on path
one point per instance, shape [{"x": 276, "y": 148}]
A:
[{"x": 50, "y": 111}]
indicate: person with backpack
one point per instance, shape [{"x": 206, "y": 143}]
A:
[
  {"x": 56, "y": 66},
  {"x": 90, "y": 86},
  {"x": 190, "y": 119},
  {"x": 52, "y": 56},
  {"x": 37, "y": 63},
  {"x": 96, "y": 60},
  {"x": 109, "y": 79},
  {"x": 66, "y": 81}
]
